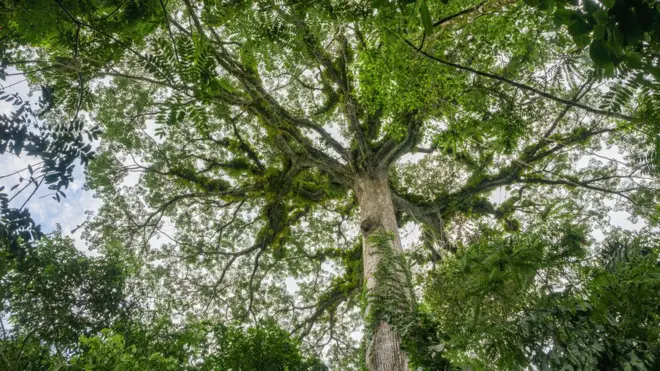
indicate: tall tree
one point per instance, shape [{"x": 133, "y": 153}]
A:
[{"x": 280, "y": 140}]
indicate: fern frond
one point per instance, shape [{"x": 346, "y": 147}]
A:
[{"x": 649, "y": 164}]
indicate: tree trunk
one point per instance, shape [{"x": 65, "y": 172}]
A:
[{"x": 389, "y": 298}]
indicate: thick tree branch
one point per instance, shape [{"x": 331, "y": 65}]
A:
[
  {"x": 582, "y": 90},
  {"x": 424, "y": 149},
  {"x": 565, "y": 143},
  {"x": 312, "y": 154},
  {"x": 340, "y": 76},
  {"x": 247, "y": 148},
  {"x": 511, "y": 173},
  {"x": 264, "y": 102},
  {"x": 427, "y": 215},
  {"x": 331, "y": 302},
  {"x": 251, "y": 284},
  {"x": 390, "y": 152}
]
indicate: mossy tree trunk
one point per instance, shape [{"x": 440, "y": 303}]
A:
[{"x": 387, "y": 285}]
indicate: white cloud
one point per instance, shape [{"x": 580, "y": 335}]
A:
[{"x": 70, "y": 211}]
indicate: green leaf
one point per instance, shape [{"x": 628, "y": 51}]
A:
[
  {"x": 379, "y": 3},
  {"x": 609, "y": 69},
  {"x": 633, "y": 60},
  {"x": 579, "y": 27},
  {"x": 655, "y": 71},
  {"x": 601, "y": 16},
  {"x": 615, "y": 41},
  {"x": 599, "y": 53},
  {"x": 590, "y": 6},
  {"x": 426, "y": 18},
  {"x": 547, "y": 5},
  {"x": 581, "y": 40},
  {"x": 608, "y": 3},
  {"x": 599, "y": 32},
  {"x": 564, "y": 16}
]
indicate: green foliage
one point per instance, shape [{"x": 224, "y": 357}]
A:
[
  {"x": 390, "y": 302},
  {"x": 234, "y": 136},
  {"x": 59, "y": 293},
  {"x": 25, "y": 352},
  {"x": 61, "y": 300},
  {"x": 393, "y": 302},
  {"x": 650, "y": 164},
  {"x": 617, "y": 32},
  {"x": 531, "y": 299},
  {"x": 73, "y": 51},
  {"x": 108, "y": 351},
  {"x": 198, "y": 346},
  {"x": 350, "y": 282},
  {"x": 263, "y": 348}
]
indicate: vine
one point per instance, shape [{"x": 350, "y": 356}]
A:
[{"x": 393, "y": 301}]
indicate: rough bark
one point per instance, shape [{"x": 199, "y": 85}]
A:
[{"x": 383, "y": 346}]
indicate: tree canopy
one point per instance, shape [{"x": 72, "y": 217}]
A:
[{"x": 383, "y": 185}]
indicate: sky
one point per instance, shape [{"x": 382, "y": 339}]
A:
[{"x": 70, "y": 211}]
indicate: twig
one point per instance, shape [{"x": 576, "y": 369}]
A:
[{"x": 32, "y": 194}]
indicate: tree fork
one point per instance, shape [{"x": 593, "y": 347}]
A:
[{"x": 387, "y": 287}]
